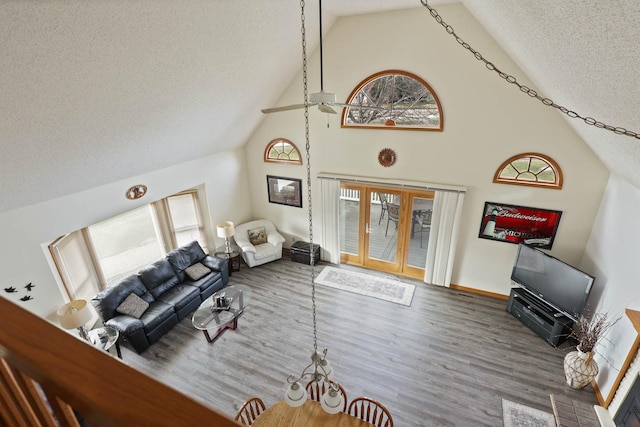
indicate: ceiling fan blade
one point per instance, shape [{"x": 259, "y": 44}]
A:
[
  {"x": 364, "y": 107},
  {"x": 326, "y": 109},
  {"x": 284, "y": 108}
]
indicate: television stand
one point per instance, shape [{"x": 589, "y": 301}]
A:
[{"x": 545, "y": 321}]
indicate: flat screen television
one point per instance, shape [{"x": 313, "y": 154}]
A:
[{"x": 563, "y": 287}]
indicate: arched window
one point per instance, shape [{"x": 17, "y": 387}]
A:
[
  {"x": 530, "y": 169},
  {"x": 393, "y": 99},
  {"x": 282, "y": 150}
]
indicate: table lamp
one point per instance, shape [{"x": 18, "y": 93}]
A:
[
  {"x": 75, "y": 314},
  {"x": 226, "y": 230}
]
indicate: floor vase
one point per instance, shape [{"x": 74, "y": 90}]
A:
[{"x": 579, "y": 368}]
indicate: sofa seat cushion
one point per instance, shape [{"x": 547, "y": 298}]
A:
[
  {"x": 156, "y": 314},
  {"x": 180, "y": 296},
  {"x": 158, "y": 277},
  {"x": 204, "y": 282},
  {"x": 265, "y": 250}
]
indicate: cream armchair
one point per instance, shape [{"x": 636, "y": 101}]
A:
[{"x": 259, "y": 242}]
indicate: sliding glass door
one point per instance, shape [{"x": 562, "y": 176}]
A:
[{"x": 385, "y": 228}]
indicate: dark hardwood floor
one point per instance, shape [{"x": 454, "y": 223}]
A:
[{"x": 447, "y": 360}]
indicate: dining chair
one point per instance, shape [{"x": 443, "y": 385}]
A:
[
  {"x": 393, "y": 214},
  {"x": 370, "y": 411},
  {"x": 383, "y": 204},
  {"x": 317, "y": 388},
  {"x": 424, "y": 220},
  {"x": 250, "y": 411}
]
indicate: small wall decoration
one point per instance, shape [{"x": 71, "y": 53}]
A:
[
  {"x": 29, "y": 286},
  {"x": 136, "y": 192},
  {"x": 387, "y": 157},
  {"x": 284, "y": 191},
  {"x": 516, "y": 224}
]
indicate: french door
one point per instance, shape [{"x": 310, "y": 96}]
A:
[{"x": 385, "y": 228}]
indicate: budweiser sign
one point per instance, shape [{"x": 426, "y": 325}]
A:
[{"x": 516, "y": 224}]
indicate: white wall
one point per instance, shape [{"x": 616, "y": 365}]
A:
[
  {"x": 611, "y": 256},
  {"x": 486, "y": 121},
  {"x": 26, "y": 231}
]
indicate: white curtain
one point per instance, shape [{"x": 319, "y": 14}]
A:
[
  {"x": 330, "y": 197},
  {"x": 445, "y": 225}
]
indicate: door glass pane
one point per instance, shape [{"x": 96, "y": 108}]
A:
[
  {"x": 383, "y": 231},
  {"x": 126, "y": 243},
  {"x": 421, "y": 212},
  {"x": 184, "y": 218},
  {"x": 349, "y": 220}
]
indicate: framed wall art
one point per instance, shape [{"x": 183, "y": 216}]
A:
[
  {"x": 284, "y": 191},
  {"x": 519, "y": 224}
]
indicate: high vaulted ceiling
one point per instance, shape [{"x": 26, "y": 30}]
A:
[{"x": 93, "y": 92}]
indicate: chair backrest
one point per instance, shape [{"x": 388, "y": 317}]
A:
[
  {"x": 425, "y": 218},
  {"x": 371, "y": 411},
  {"x": 393, "y": 211},
  {"x": 383, "y": 198},
  {"x": 250, "y": 411},
  {"x": 317, "y": 388}
]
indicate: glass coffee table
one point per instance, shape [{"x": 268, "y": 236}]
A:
[{"x": 208, "y": 317}]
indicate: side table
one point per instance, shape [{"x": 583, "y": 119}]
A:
[
  {"x": 104, "y": 338},
  {"x": 233, "y": 258}
]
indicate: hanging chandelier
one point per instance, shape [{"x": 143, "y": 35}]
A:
[{"x": 332, "y": 401}]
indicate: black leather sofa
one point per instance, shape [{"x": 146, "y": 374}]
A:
[{"x": 165, "y": 292}]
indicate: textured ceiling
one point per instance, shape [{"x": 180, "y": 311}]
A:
[{"x": 94, "y": 92}]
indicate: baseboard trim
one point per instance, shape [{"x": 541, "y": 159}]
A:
[{"x": 479, "y": 291}]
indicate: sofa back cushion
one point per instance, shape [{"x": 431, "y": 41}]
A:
[
  {"x": 158, "y": 277},
  {"x": 107, "y": 301},
  {"x": 185, "y": 256}
]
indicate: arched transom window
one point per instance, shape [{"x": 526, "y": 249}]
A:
[
  {"x": 530, "y": 169},
  {"x": 282, "y": 150},
  {"x": 393, "y": 99}
]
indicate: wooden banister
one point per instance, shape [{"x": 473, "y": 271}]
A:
[{"x": 74, "y": 374}]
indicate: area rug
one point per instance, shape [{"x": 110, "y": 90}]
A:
[
  {"x": 383, "y": 288},
  {"x": 518, "y": 415}
]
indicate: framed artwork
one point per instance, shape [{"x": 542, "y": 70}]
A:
[
  {"x": 519, "y": 224},
  {"x": 285, "y": 191}
]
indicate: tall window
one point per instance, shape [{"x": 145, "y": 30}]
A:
[
  {"x": 533, "y": 169},
  {"x": 100, "y": 255},
  {"x": 393, "y": 99},
  {"x": 185, "y": 220},
  {"x": 125, "y": 243}
]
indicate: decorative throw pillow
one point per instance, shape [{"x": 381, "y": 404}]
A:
[
  {"x": 197, "y": 271},
  {"x": 257, "y": 236},
  {"x": 133, "y": 305}
]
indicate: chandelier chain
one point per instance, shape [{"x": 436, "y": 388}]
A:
[
  {"x": 308, "y": 157},
  {"x": 512, "y": 80}
]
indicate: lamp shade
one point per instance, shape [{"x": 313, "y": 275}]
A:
[
  {"x": 296, "y": 395},
  {"x": 74, "y": 314},
  {"x": 225, "y": 229},
  {"x": 332, "y": 401}
]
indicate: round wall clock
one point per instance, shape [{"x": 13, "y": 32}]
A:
[{"x": 387, "y": 157}]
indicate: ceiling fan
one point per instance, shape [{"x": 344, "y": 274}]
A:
[{"x": 324, "y": 100}]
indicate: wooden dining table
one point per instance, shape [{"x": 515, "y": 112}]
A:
[{"x": 310, "y": 414}]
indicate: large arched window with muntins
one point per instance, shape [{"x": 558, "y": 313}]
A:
[
  {"x": 393, "y": 99},
  {"x": 283, "y": 151},
  {"x": 533, "y": 169}
]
